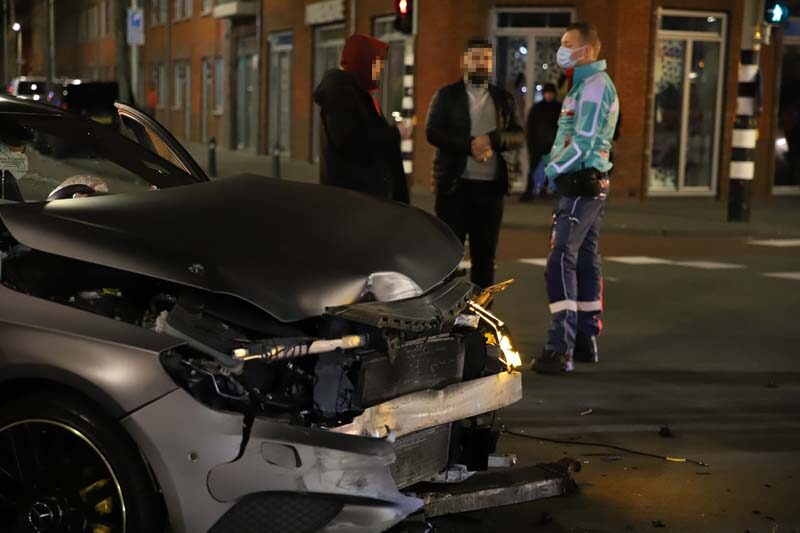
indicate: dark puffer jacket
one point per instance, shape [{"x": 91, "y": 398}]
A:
[{"x": 449, "y": 129}]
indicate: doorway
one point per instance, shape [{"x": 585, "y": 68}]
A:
[
  {"x": 787, "y": 128},
  {"x": 526, "y": 41},
  {"x": 280, "y": 92},
  {"x": 247, "y": 94},
  {"x": 205, "y": 99},
  {"x": 688, "y": 80},
  {"x": 328, "y": 44}
]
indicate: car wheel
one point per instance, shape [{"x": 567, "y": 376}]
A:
[{"x": 66, "y": 467}]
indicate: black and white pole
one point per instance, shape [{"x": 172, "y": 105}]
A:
[
  {"x": 745, "y": 135},
  {"x": 745, "y": 128},
  {"x": 407, "y": 145}
]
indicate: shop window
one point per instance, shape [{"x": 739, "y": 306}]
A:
[
  {"x": 787, "y": 127},
  {"x": 391, "y": 91}
]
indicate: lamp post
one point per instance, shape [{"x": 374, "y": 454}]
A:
[{"x": 17, "y": 27}]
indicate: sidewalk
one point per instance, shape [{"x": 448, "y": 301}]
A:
[{"x": 676, "y": 217}]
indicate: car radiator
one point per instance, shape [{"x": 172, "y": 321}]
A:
[{"x": 421, "y": 455}]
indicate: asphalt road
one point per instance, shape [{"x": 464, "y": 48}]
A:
[{"x": 701, "y": 336}]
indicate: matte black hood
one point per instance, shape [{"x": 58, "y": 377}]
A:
[{"x": 291, "y": 249}]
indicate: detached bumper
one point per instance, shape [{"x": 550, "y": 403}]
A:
[
  {"x": 429, "y": 408},
  {"x": 338, "y": 477}
]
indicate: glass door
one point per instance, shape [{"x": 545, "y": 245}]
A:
[
  {"x": 246, "y": 94},
  {"x": 280, "y": 93},
  {"x": 392, "y": 91},
  {"x": 526, "y": 42},
  {"x": 687, "y": 102},
  {"x": 787, "y": 128},
  {"x": 328, "y": 44}
]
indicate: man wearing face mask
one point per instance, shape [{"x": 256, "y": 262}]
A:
[
  {"x": 579, "y": 167},
  {"x": 472, "y": 124}
]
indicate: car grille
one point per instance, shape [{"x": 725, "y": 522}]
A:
[{"x": 421, "y": 455}]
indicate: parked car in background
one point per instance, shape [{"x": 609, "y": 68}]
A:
[
  {"x": 246, "y": 354},
  {"x": 92, "y": 99},
  {"x": 30, "y": 88}
]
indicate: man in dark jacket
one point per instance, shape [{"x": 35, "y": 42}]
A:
[
  {"x": 540, "y": 131},
  {"x": 360, "y": 149},
  {"x": 472, "y": 124}
]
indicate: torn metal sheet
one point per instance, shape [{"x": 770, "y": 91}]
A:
[
  {"x": 486, "y": 490},
  {"x": 430, "y": 408}
]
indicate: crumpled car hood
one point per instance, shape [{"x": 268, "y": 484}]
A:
[{"x": 291, "y": 249}]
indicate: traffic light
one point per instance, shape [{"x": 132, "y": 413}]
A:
[
  {"x": 776, "y": 13},
  {"x": 404, "y": 16}
]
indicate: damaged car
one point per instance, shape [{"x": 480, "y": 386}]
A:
[{"x": 246, "y": 354}]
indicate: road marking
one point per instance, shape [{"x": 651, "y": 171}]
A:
[
  {"x": 644, "y": 260},
  {"x": 707, "y": 265},
  {"x": 795, "y": 276},
  {"x": 779, "y": 243},
  {"x": 542, "y": 262},
  {"x": 639, "y": 260}
]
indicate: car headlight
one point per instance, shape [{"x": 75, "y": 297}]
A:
[{"x": 390, "y": 287}]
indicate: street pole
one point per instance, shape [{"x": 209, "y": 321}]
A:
[
  {"x": 5, "y": 42},
  {"x": 745, "y": 129},
  {"x": 19, "y": 52},
  {"x": 135, "y": 64},
  {"x": 51, "y": 37}
]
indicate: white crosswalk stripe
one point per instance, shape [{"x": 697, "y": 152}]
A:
[
  {"x": 639, "y": 260},
  {"x": 778, "y": 243},
  {"x": 795, "y": 276},
  {"x": 643, "y": 260},
  {"x": 538, "y": 261},
  {"x": 707, "y": 265}
]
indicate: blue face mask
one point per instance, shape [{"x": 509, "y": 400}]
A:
[{"x": 564, "y": 57}]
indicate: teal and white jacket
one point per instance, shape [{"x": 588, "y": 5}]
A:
[{"x": 586, "y": 126}]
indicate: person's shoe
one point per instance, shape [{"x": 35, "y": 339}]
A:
[
  {"x": 527, "y": 198},
  {"x": 586, "y": 349},
  {"x": 551, "y": 362}
]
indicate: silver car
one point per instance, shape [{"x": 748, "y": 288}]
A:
[{"x": 247, "y": 354}]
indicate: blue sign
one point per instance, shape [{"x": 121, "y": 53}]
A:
[
  {"x": 777, "y": 13},
  {"x": 135, "y": 33}
]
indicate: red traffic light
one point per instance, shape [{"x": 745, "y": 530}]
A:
[{"x": 402, "y": 7}]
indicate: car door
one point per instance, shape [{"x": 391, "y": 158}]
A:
[{"x": 139, "y": 127}]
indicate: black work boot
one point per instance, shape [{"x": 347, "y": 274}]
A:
[
  {"x": 551, "y": 362},
  {"x": 586, "y": 349}
]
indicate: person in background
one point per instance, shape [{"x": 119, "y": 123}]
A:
[
  {"x": 152, "y": 100},
  {"x": 360, "y": 148},
  {"x": 541, "y": 128},
  {"x": 579, "y": 166},
  {"x": 473, "y": 124}
]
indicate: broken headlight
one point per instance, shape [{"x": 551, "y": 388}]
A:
[{"x": 390, "y": 287}]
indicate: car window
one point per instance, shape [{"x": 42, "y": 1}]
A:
[
  {"x": 42, "y": 154},
  {"x": 149, "y": 139}
]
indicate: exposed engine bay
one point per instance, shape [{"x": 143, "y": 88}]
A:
[{"x": 322, "y": 371}]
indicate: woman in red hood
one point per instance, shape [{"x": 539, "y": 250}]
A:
[{"x": 360, "y": 148}]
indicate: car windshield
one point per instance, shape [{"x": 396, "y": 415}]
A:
[{"x": 41, "y": 154}]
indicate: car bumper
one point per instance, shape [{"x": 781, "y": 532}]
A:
[{"x": 208, "y": 486}]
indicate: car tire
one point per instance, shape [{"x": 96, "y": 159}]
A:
[{"x": 42, "y": 417}]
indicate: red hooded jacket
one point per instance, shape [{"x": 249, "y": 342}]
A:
[{"x": 358, "y": 56}]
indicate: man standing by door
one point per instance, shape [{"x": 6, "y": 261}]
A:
[
  {"x": 473, "y": 124},
  {"x": 540, "y": 132},
  {"x": 579, "y": 166}
]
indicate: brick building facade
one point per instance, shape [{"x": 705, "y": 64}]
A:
[{"x": 243, "y": 71}]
